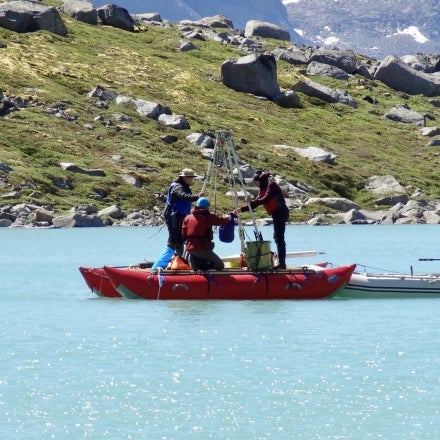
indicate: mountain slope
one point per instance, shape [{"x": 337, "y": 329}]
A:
[
  {"x": 373, "y": 27},
  {"x": 237, "y": 11},
  {"x": 59, "y": 123}
]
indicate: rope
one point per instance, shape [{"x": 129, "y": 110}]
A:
[
  {"x": 377, "y": 269},
  {"x": 157, "y": 232}
]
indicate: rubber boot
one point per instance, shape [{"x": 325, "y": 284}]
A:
[{"x": 281, "y": 251}]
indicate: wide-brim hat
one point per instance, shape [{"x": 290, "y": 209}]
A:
[{"x": 187, "y": 172}]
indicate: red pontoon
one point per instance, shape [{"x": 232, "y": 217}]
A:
[{"x": 230, "y": 284}]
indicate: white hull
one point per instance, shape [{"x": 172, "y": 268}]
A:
[{"x": 374, "y": 285}]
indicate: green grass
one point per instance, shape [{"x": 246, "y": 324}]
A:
[{"x": 53, "y": 71}]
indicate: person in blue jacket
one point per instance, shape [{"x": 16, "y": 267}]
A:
[{"x": 178, "y": 206}]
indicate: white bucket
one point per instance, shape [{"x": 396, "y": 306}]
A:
[{"x": 258, "y": 255}]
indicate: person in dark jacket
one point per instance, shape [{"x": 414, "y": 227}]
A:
[
  {"x": 178, "y": 206},
  {"x": 198, "y": 234},
  {"x": 271, "y": 197}
]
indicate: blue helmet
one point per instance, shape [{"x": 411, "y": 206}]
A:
[{"x": 203, "y": 202}]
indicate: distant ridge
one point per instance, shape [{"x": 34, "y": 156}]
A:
[
  {"x": 375, "y": 28},
  {"x": 240, "y": 12}
]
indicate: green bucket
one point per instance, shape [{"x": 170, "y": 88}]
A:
[{"x": 258, "y": 255}]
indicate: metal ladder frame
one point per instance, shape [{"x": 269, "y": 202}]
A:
[{"x": 225, "y": 156}]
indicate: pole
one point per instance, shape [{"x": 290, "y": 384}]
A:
[{"x": 232, "y": 161}]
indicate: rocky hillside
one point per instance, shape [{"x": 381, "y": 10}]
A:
[
  {"x": 373, "y": 27},
  {"x": 239, "y": 12},
  {"x": 101, "y": 117}
]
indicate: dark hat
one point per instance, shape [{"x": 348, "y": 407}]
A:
[{"x": 260, "y": 175}]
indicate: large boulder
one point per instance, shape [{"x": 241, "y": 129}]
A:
[
  {"x": 291, "y": 55},
  {"x": 102, "y": 94},
  {"x": 384, "y": 185},
  {"x": 217, "y": 21},
  {"x": 316, "y": 68},
  {"x": 178, "y": 122},
  {"x": 27, "y": 16},
  {"x": 400, "y": 76},
  {"x": 402, "y": 113},
  {"x": 256, "y": 74},
  {"x": 77, "y": 220},
  {"x": 80, "y": 10},
  {"x": 428, "y": 63},
  {"x": 258, "y": 28},
  {"x": 343, "y": 59},
  {"x": 113, "y": 15},
  {"x": 328, "y": 94}
]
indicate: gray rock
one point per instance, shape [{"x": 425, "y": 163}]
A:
[
  {"x": 384, "y": 185},
  {"x": 11, "y": 195},
  {"x": 431, "y": 217},
  {"x": 150, "y": 109},
  {"x": 75, "y": 220},
  {"x": 168, "y": 139},
  {"x": 423, "y": 62},
  {"x": 5, "y": 222},
  {"x": 103, "y": 94},
  {"x": 113, "y": 211},
  {"x": 149, "y": 17},
  {"x": 186, "y": 46},
  {"x": 113, "y": 15},
  {"x": 174, "y": 121},
  {"x": 339, "y": 203},
  {"x": 216, "y": 21},
  {"x": 328, "y": 94},
  {"x": 80, "y": 10},
  {"x": 290, "y": 55},
  {"x": 343, "y": 59},
  {"x": 201, "y": 139},
  {"x": 355, "y": 216},
  {"x": 76, "y": 169},
  {"x": 123, "y": 99},
  {"x": 402, "y": 113},
  {"x": 430, "y": 131},
  {"x": 365, "y": 69},
  {"x": 434, "y": 143},
  {"x": 5, "y": 168},
  {"x": 320, "y": 69},
  {"x": 315, "y": 154},
  {"x": 373, "y": 216},
  {"x": 61, "y": 183},
  {"x": 29, "y": 16},
  {"x": 396, "y": 74},
  {"x": 288, "y": 99},
  {"x": 131, "y": 180},
  {"x": 256, "y": 74},
  {"x": 258, "y": 28},
  {"x": 392, "y": 200},
  {"x": 85, "y": 208},
  {"x": 44, "y": 215},
  {"x": 407, "y": 221}
]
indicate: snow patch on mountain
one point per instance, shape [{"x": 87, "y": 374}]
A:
[{"x": 414, "y": 32}]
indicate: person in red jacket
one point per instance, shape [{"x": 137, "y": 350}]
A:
[
  {"x": 198, "y": 234},
  {"x": 271, "y": 197}
]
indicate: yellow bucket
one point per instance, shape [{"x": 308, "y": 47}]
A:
[{"x": 258, "y": 255}]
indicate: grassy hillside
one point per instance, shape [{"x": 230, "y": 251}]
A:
[{"x": 58, "y": 72}]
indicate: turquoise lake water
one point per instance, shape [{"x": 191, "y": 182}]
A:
[{"x": 75, "y": 366}]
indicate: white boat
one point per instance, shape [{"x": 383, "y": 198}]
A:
[{"x": 391, "y": 285}]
